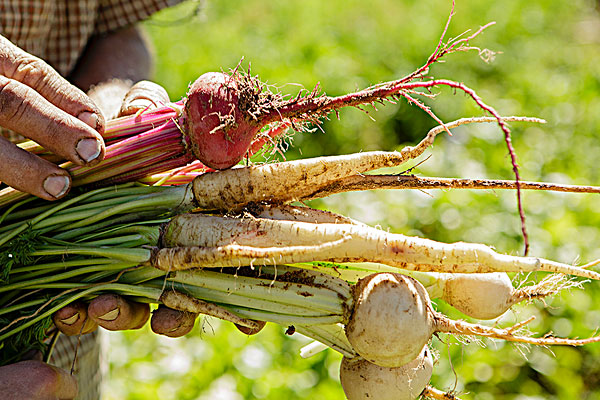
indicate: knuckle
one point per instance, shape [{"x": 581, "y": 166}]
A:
[
  {"x": 12, "y": 101},
  {"x": 30, "y": 69}
]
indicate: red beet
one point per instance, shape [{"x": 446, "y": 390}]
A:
[{"x": 219, "y": 126}]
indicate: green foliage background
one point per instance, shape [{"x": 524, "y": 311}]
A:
[{"x": 548, "y": 66}]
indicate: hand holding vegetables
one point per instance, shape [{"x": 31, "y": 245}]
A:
[
  {"x": 111, "y": 311},
  {"x": 105, "y": 244},
  {"x": 35, "y": 101}
]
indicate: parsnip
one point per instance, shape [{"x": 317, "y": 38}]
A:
[{"x": 195, "y": 240}]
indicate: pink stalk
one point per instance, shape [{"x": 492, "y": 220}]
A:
[{"x": 133, "y": 124}]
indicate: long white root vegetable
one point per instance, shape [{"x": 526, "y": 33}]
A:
[
  {"x": 477, "y": 295},
  {"x": 488, "y": 296},
  {"x": 304, "y": 179},
  {"x": 196, "y": 240}
]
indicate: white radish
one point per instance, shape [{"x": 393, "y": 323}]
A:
[
  {"x": 393, "y": 319},
  {"x": 363, "y": 380}
]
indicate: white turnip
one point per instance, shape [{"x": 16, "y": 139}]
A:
[
  {"x": 488, "y": 296},
  {"x": 392, "y": 319},
  {"x": 363, "y": 380}
]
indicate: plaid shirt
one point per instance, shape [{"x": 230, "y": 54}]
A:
[{"x": 57, "y": 31}]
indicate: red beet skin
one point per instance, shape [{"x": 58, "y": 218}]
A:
[{"x": 218, "y": 129}]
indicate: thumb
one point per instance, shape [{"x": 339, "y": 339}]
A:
[
  {"x": 36, "y": 380},
  {"x": 143, "y": 95}
]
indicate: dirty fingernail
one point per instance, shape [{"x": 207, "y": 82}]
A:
[
  {"x": 56, "y": 185},
  {"x": 88, "y": 149},
  {"x": 110, "y": 316},
  {"x": 89, "y": 118}
]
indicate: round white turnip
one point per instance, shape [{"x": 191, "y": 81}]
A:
[
  {"x": 364, "y": 380},
  {"x": 392, "y": 319}
]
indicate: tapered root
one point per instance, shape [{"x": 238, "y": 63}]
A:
[
  {"x": 432, "y": 393},
  {"x": 443, "y": 324},
  {"x": 550, "y": 285},
  {"x": 304, "y": 179},
  {"x": 248, "y": 241},
  {"x": 183, "y": 302}
]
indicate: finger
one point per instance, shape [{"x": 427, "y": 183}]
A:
[
  {"x": 251, "y": 331},
  {"x": 143, "y": 95},
  {"x": 36, "y": 380},
  {"x": 114, "y": 313},
  {"x": 26, "y": 112},
  {"x": 73, "y": 320},
  {"x": 173, "y": 323},
  {"x": 25, "y": 68},
  {"x": 28, "y": 173}
]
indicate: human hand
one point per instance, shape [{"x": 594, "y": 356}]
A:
[
  {"x": 144, "y": 95},
  {"x": 36, "y": 102},
  {"x": 114, "y": 313},
  {"x": 35, "y": 380},
  {"x": 111, "y": 311}
]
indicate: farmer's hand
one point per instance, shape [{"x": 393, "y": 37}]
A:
[
  {"x": 35, "y": 380},
  {"x": 36, "y": 102},
  {"x": 116, "y": 97},
  {"x": 114, "y": 313}
]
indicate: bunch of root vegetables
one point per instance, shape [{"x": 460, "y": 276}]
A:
[{"x": 239, "y": 244}]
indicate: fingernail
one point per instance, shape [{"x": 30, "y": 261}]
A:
[
  {"x": 56, "y": 185},
  {"x": 88, "y": 149},
  {"x": 110, "y": 316},
  {"x": 71, "y": 320},
  {"x": 89, "y": 118}
]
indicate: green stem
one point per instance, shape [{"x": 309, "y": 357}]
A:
[
  {"x": 52, "y": 268},
  {"x": 115, "y": 221},
  {"x": 133, "y": 255},
  {"x": 65, "y": 276},
  {"x": 141, "y": 274},
  {"x": 331, "y": 335},
  {"x": 283, "y": 319},
  {"x": 234, "y": 299},
  {"x": 119, "y": 241},
  {"x": 13, "y": 207},
  {"x": 174, "y": 198},
  {"x": 150, "y": 293},
  {"x": 21, "y": 306},
  {"x": 31, "y": 223},
  {"x": 61, "y": 265},
  {"x": 282, "y": 292}
]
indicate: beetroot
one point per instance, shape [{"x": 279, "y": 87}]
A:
[{"x": 218, "y": 129}]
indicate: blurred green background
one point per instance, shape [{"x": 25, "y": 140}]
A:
[{"x": 548, "y": 66}]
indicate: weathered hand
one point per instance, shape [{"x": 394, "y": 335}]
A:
[
  {"x": 36, "y": 102},
  {"x": 114, "y": 313},
  {"x": 35, "y": 380},
  {"x": 110, "y": 311}
]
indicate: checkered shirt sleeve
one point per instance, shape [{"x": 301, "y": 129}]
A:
[{"x": 57, "y": 31}]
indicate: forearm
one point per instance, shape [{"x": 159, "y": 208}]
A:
[{"x": 110, "y": 64}]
